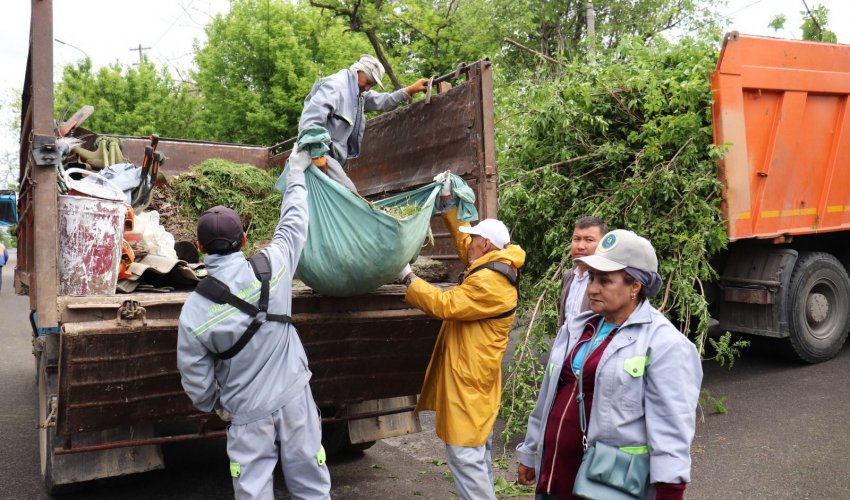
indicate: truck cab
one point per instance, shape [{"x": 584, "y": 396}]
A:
[{"x": 8, "y": 209}]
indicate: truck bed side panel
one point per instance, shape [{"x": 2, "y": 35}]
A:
[{"x": 784, "y": 108}]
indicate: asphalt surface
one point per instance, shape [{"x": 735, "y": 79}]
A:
[{"x": 786, "y": 436}]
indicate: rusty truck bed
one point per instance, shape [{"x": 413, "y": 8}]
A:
[{"x": 116, "y": 360}]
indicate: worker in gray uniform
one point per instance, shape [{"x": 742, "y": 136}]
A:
[
  {"x": 337, "y": 104},
  {"x": 261, "y": 385}
]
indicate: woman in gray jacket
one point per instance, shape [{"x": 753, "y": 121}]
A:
[{"x": 641, "y": 378}]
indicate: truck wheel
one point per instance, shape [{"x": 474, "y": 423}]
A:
[
  {"x": 336, "y": 441},
  {"x": 819, "y": 312}
]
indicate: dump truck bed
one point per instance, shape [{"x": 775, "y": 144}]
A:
[{"x": 783, "y": 107}]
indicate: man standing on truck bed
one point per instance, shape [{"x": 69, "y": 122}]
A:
[
  {"x": 260, "y": 385},
  {"x": 463, "y": 383},
  {"x": 337, "y": 104}
]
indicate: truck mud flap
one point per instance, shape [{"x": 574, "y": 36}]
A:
[{"x": 753, "y": 288}]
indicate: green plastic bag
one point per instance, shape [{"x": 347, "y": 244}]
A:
[{"x": 353, "y": 247}]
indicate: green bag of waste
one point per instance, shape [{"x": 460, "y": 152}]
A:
[{"x": 355, "y": 246}]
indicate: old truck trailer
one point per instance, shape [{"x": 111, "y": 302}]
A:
[
  {"x": 108, "y": 387},
  {"x": 783, "y": 109}
]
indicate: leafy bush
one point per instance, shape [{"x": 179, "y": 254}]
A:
[
  {"x": 9, "y": 236},
  {"x": 627, "y": 138}
]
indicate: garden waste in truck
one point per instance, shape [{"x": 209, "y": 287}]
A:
[{"x": 108, "y": 387}]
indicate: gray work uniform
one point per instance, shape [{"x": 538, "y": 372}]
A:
[
  {"x": 336, "y": 104},
  {"x": 647, "y": 386},
  {"x": 471, "y": 467},
  {"x": 265, "y": 387}
]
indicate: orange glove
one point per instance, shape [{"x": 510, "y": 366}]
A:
[{"x": 321, "y": 162}]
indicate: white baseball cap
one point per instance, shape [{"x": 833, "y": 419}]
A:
[
  {"x": 620, "y": 249},
  {"x": 372, "y": 67},
  {"x": 492, "y": 229}
]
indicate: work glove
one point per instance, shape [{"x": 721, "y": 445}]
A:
[
  {"x": 446, "y": 190},
  {"x": 222, "y": 414},
  {"x": 420, "y": 85},
  {"x": 321, "y": 162},
  {"x": 445, "y": 178},
  {"x": 299, "y": 160},
  {"x": 447, "y": 200},
  {"x": 403, "y": 275}
]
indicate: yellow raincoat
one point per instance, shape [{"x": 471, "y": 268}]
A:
[{"x": 463, "y": 383}]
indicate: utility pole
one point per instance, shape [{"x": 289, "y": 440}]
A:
[
  {"x": 591, "y": 28},
  {"x": 140, "y": 49}
]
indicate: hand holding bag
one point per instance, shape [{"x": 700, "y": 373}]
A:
[{"x": 606, "y": 472}]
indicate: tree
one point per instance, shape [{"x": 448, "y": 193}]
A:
[
  {"x": 362, "y": 17},
  {"x": 557, "y": 28},
  {"x": 128, "y": 100},
  {"x": 814, "y": 24},
  {"x": 628, "y": 139},
  {"x": 10, "y": 111},
  {"x": 420, "y": 37},
  {"x": 260, "y": 61}
]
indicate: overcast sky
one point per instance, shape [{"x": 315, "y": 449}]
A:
[{"x": 107, "y": 30}]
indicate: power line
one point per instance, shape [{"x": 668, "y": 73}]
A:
[
  {"x": 742, "y": 8},
  {"x": 173, "y": 23},
  {"x": 820, "y": 30}
]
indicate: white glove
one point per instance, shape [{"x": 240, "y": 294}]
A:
[
  {"x": 299, "y": 160},
  {"x": 223, "y": 414},
  {"x": 404, "y": 272},
  {"x": 447, "y": 188}
]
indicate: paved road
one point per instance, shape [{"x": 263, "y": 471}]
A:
[{"x": 786, "y": 436}]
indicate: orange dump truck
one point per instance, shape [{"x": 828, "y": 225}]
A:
[{"x": 783, "y": 109}]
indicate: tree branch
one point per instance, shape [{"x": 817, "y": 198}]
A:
[{"x": 532, "y": 51}]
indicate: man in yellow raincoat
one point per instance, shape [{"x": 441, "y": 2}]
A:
[{"x": 464, "y": 379}]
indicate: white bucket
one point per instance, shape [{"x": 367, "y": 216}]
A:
[{"x": 90, "y": 234}]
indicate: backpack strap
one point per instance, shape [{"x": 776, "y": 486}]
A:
[
  {"x": 218, "y": 292},
  {"x": 263, "y": 271},
  {"x": 505, "y": 270}
]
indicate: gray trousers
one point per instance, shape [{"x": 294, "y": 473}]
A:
[
  {"x": 472, "y": 469},
  {"x": 294, "y": 434}
]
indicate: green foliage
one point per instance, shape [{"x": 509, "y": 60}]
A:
[
  {"x": 627, "y": 139},
  {"x": 260, "y": 61},
  {"x": 815, "y": 25},
  {"x": 129, "y": 100},
  {"x": 505, "y": 489},
  {"x": 559, "y": 29},
  {"x": 243, "y": 187},
  {"x": 8, "y": 237},
  {"x": 778, "y": 22},
  {"x": 10, "y": 124},
  {"x": 717, "y": 404},
  {"x": 726, "y": 351}
]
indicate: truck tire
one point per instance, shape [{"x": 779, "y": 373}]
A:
[
  {"x": 336, "y": 440},
  {"x": 819, "y": 312}
]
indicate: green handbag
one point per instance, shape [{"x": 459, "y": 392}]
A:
[{"x": 606, "y": 472}]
